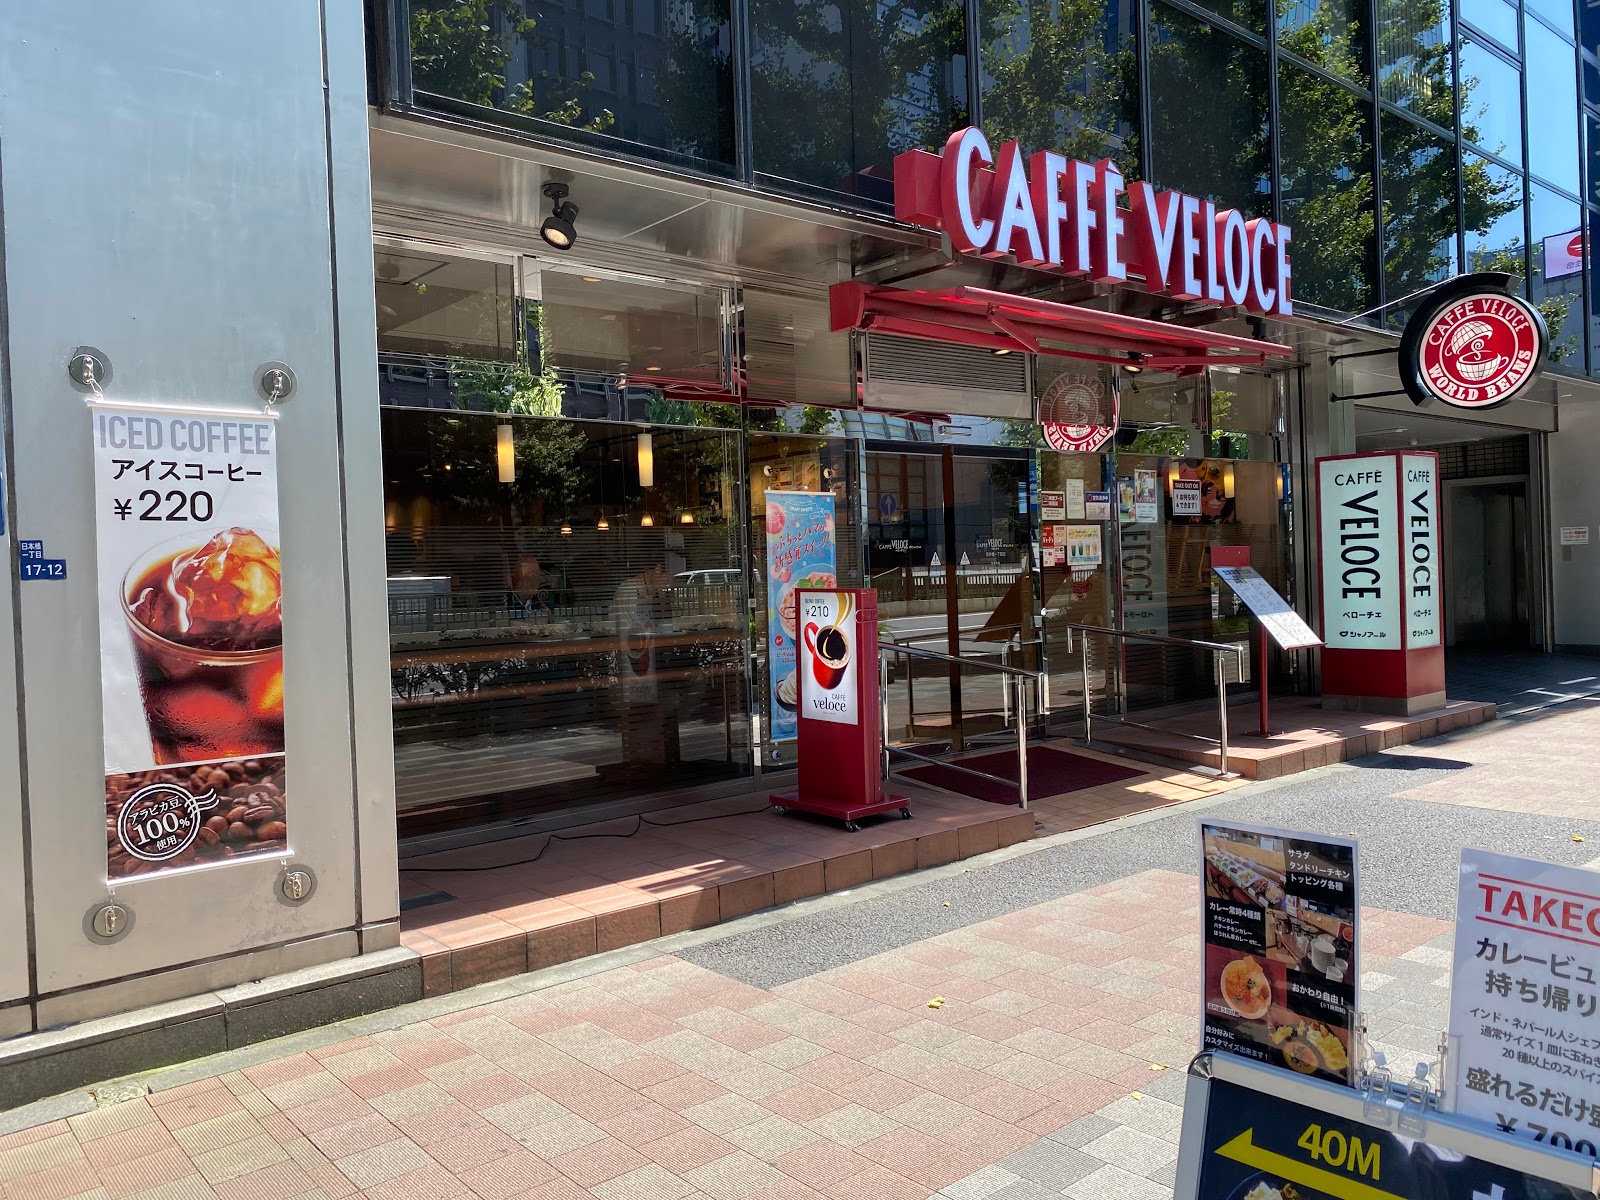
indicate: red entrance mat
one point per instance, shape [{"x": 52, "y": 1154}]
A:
[{"x": 1051, "y": 772}]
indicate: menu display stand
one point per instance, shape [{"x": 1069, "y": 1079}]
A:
[
  {"x": 1273, "y": 614},
  {"x": 836, "y": 709}
]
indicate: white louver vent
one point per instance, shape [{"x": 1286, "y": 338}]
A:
[{"x": 914, "y": 375}]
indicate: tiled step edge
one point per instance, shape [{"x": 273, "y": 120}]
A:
[{"x": 446, "y": 969}]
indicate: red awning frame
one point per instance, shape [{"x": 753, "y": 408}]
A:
[{"x": 971, "y": 316}]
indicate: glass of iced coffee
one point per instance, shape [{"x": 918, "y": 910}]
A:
[{"x": 207, "y": 629}]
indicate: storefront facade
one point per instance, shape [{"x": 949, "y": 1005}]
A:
[{"x": 534, "y": 565}]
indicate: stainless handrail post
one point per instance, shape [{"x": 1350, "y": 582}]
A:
[
  {"x": 1222, "y": 708},
  {"x": 911, "y": 697},
  {"x": 1088, "y": 703},
  {"x": 883, "y": 714},
  {"x": 1019, "y": 687}
]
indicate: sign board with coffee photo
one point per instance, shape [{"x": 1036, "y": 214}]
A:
[
  {"x": 191, "y": 636},
  {"x": 1279, "y": 912},
  {"x": 828, "y": 657},
  {"x": 800, "y": 553}
]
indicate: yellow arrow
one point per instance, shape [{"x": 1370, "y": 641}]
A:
[{"x": 1243, "y": 1150}]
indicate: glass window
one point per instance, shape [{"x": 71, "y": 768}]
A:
[
  {"x": 1329, "y": 33},
  {"x": 1494, "y": 238},
  {"x": 438, "y": 304},
  {"x": 1491, "y": 91},
  {"x": 1414, "y": 40},
  {"x": 1325, "y": 147},
  {"x": 560, "y": 633},
  {"x": 1553, "y": 101},
  {"x": 1555, "y": 280},
  {"x": 651, "y": 333},
  {"x": 1594, "y": 293},
  {"x": 1589, "y": 24},
  {"x": 659, "y": 76},
  {"x": 1593, "y": 130},
  {"x": 1208, "y": 108},
  {"x": 1557, "y": 12},
  {"x": 1495, "y": 18},
  {"x": 1419, "y": 208},
  {"x": 1061, "y": 75},
  {"x": 839, "y": 88},
  {"x": 1252, "y": 14},
  {"x": 1591, "y": 82}
]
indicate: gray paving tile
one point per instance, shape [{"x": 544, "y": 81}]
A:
[
  {"x": 980, "y": 1185},
  {"x": 1083, "y": 1130},
  {"x": 1050, "y": 1164}
]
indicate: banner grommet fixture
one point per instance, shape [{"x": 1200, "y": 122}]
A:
[
  {"x": 275, "y": 382},
  {"x": 89, "y": 369},
  {"x": 107, "y": 922},
  {"x": 297, "y": 883}
]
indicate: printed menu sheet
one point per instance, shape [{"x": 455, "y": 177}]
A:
[{"x": 1279, "y": 912}]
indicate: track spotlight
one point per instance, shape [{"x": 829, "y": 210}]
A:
[{"x": 558, "y": 229}]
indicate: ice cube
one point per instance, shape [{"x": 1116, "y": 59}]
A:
[{"x": 227, "y": 590}]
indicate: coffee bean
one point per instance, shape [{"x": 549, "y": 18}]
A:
[
  {"x": 272, "y": 831},
  {"x": 240, "y": 832}
]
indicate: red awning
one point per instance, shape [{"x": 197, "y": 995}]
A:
[{"x": 973, "y": 316}]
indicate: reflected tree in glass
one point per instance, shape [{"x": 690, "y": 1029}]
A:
[
  {"x": 462, "y": 49},
  {"x": 1062, "y": 75},
  {"x": 839, "y": 87},
  {"x": 1414, "y": 68},
  {"x": 1209, "y": 113}
]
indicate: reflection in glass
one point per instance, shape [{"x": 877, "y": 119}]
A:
[
  {"x": 1209, "y": 113},
  {"x": 1593, "y": 128},
  {"x": 1061, "y": 75},
  {"x": 1555, "y": 280},
  {"x": 839, "y": 87},
  {"x": 1414, "y": 58},
  {"x": 1557, "y": 12},
  {"x": 1497, "y": 240},
  {"x": 1419, "y": 208},
  {"x": 1491, "y": 95},
  {"x": 437, "y": 304},
  {"x": 1552, "y": 108},
  {"x": 1252, "y": 14},
  {"x": 1325, "y": 169},
  {"x": 657, "y": 74},
  {"x": 1330, "y": 33},
  {"x": 1589, "y": 24},
  {"x": 533, "y": 667},
  {"x": 1594, "y": 295},
  {"x": 1495, "y": 18}
]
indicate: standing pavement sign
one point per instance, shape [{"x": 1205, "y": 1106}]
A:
[{"x": 1274, "y": 615}]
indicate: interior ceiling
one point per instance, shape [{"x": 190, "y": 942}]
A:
[{"x": 1385, "y": 429}]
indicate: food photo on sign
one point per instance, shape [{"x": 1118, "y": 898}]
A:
[
  {"x": 1280, "y": 948},
  {"x": 191, "y": 636}
]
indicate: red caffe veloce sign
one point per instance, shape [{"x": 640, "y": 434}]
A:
[
  {"x": 1474, "y": 346},
  {"x": 1061, "y": 214}
]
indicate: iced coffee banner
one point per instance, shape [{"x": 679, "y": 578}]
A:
[{"x": 191, "y": 636}]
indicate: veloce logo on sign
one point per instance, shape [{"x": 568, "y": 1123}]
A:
[
  {"x": 1472, "y": 345},
  {"x": 1061, "y": 214}
]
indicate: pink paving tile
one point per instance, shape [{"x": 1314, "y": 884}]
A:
[
  {"x": 431, "y": 1053},
  {"x": 57, "y": 1183},
  {"x": 954, "y": 1081},
  {"x": 685, "y": 1150},
  {"x": 878, "y": 1183},
  {"x": 545, "y": 1020},
  {"x": 39, "y": 1133},
  {"x": 560, "y": 1188},
  {"x": 641, "y": 1125},
  {"x": 1112, "y": 1034},
  {"x": 988, "y": 1137},
  {"x": 597, "y": 1162},
  {"x": 384, "y": 1082},
  {"x": 489, "y": 1091},
  {"x": 280, "y": 1181},
  {"x": 352, "y": 1137},
  {"x": 186, "y": 1091},
  {"x": 821, "y": 1164},
  {"x": 435, "y": 1183},
  {"x": 114, "y": 1149},
  {"x": 684, "y": 1092},
  {"x": 879, "y": 1091},
  {"x": 644, "y": 1071},
  {"x": 323, "y": 1053},
  {"x": 750, "y": 1036},
  {"x": 803, "y": 1102},
  {"x": 510, "y": 1176},
  {"x": 147, "y": 1172},
  {"x": 436, "y": 1124},
  {"x": 330, "y": 1110},
  {"x": 831, "y": 1071},
  {"x": 463, "y": 1152},
  {"x": 282, "y": 1070},
  {"x": 195, "y": 1107}
]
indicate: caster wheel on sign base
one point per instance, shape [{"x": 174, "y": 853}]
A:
[
  {"x": 779, "y": 809},
  {"x": 905, "y": 814},
  {"x": 852, "y": 826}
]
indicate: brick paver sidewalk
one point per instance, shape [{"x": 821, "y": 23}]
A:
[{"x": 1053, "y": 1062}]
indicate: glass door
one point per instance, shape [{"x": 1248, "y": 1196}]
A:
[{"x": 949, "y": 547}]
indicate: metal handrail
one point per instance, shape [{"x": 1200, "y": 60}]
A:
[
  {"x": 1217, "y": 650},
  {"x": 1019, "y": 692}
]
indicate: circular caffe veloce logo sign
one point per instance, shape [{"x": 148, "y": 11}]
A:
[
  {"x": 1072, "y": 412},
  {"x": 1472, "y": 346}
]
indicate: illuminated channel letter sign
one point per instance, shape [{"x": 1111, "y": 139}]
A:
[
  {"x": 1060, "y": 214},
  {"x": 1472, "y": 345}
]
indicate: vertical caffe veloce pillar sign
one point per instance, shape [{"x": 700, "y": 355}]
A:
[
  {"x": 191, "y": 636},
  {"x": 1382, "y": 599}
]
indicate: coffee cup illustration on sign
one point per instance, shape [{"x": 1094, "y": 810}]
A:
[{"x": 830, "y": 654}]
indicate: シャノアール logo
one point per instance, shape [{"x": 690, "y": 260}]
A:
[{"x": 1472, "y": 348}]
